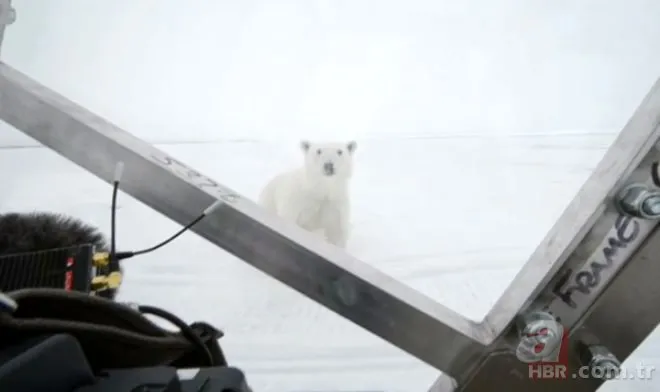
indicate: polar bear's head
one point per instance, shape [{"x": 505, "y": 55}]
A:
[{"x": 329, "y": 160}]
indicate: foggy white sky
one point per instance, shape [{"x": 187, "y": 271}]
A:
[{"x": 199, "y": 69}]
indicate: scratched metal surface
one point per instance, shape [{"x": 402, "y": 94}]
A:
[
  {"x": 454, "y": 216},
  {"x": 286, "y": 342}
]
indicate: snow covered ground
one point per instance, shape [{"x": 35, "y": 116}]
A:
[
  {"x": 473, "y": 118},
  {"x": 428, "y": 211}
]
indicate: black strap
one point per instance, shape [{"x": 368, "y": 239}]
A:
[{"x": 113, "y": 335}]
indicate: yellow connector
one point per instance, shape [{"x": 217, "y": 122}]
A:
[
  {"x": 109, "y": 282},
  {"x": 114, "y": 280},
  {"x": 101, "y": 259}
]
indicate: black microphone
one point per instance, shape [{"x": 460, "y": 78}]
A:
[{"x": 48, "y": 250}]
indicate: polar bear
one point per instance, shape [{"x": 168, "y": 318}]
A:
[{"x": 315, "y": 196}]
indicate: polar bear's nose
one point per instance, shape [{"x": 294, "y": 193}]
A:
[{"x": 329, "y": 168}]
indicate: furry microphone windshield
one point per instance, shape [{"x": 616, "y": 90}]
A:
[{"x": 42, "y": 231}]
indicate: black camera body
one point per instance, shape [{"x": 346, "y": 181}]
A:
[{"x": 57, "y": 363}]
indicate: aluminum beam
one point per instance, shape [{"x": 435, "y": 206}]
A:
[
  {"x": 591, "y": 230},
  {"x": 582, "y": 254},
  {"x": 625, "y": 314},
  {"x": 588, "y": 212},
  {"x": 322, "y": 272}
]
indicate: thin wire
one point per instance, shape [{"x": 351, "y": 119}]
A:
[
  {"x": 114, "y": 263},
  {"x": 126, "y": 255}
]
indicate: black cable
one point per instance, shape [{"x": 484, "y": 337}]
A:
[
  {"x": 186, "y": 331},
  {"x": 114, "y": 261},
  {"x": 126, "y": 255},
  {"x": 114, "y": 256}
]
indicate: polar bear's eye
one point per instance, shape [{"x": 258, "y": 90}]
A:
[
  {"x": 318, "y": 152},
  {"x": 339, "y": 152}
]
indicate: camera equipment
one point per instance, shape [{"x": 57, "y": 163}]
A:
[
  {"x": 66, "y": 268},
  {"x": 61, "y": 332}
]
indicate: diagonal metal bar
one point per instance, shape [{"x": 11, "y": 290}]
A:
[
  {"x": 329, "y": 276},
  {"x": 583, "y": 252},
  {"x": 620, "y": 320},
  {"x": 586, "y": 213}
]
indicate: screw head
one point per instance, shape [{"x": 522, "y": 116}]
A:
[
  {"x": 605, "y": 368},
  {"x": 639, "y": 201},
  {"x": 540, "y": 336},
  {"x": 651, "y": 206},
  {"x": 600, "y": 360}
]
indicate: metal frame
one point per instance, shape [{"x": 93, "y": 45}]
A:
[
  {"x": 620, "y": 320},
  {"x": 583, "y": 234},
  {"x": 324, "y": 273},
  {"x": 590, "y": 229},
  {"x": 472, "y": 353}
]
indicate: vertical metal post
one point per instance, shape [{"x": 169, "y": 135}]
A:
[{"x": 7, "y": 17}]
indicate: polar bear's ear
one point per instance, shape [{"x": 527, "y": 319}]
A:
[
  {"x": 305, "y": 145},
  {"x": 351, "y": 146}
]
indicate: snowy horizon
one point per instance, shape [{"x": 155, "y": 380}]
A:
[{"x": 489, "y": 113}]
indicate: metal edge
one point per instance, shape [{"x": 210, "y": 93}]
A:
[
  {"x": 586, "y": 216},
  {"x": 622, "y": 317},
  {"x": 380, "y": 304},
  {"x": 585, "y": 213}
]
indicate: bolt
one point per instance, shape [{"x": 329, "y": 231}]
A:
[
  {"x": 651, "y": 206},
  {"x": 639, "y": 201},
  {"x": 540, "y": 336},
  {"x": 605, "y": 368},
  {"x": 601, "y": 362}
]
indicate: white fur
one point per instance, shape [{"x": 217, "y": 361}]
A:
[{"x": 311, "y": 198}]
